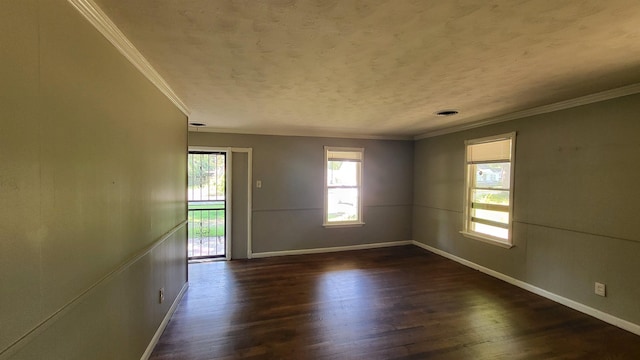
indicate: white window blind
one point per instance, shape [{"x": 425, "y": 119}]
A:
[
  {"x": 499, "y": 150},
  {"x": 338, "y": 155}
]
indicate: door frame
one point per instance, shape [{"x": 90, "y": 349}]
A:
[{"x": 229, "y": 192}]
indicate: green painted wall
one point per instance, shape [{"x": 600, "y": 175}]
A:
[
  {"x": 287, "y": 210},
  {"x": 576, "y": 203},
  {"x": 92, "y": 172}
]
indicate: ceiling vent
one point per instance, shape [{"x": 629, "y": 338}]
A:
[{"x": 447, "y": 112}]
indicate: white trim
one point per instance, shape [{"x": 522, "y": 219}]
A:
[
  {"x": 308, "y": 133},
  {"x": 331, "y": 249},
  {"x": 621, "y": 323},
  {"x": 106, "y": 27},
  {"x": 562, "y": 105},
  {"x": 487, "y": 238},
  {"x": 164, "y": 323},
  {"x": 228, "y": 225},
  {"x": 250, "y": 205},
  {"x": 343, "y": 224},
  {"x": 488, "y": 139}
]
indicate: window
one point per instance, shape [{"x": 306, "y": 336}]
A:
[
  {"x": 343, "y": 186},
  {"x": 489, "y": 188}
]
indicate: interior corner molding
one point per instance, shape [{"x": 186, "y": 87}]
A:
[
  {"x": 562, "y": 105},
  {"x": 106, "y": 27},
  {"x": 300, "y": 133}
]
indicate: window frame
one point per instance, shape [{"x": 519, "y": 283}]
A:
[
  {"x": 359, "y": 221},
  {"x": 469, "y": 186}
]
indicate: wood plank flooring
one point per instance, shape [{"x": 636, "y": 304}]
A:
[{"x": 391, "y": 303}]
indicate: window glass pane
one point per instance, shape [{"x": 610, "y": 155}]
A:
[
  {"x": 342, "y": 173},
  {"x": 490, "y": 230},
  {"x": 496, "y": 175},
  {"x": 497, "y": 216},
  {"x": 342, "y": 204},
  {"x": 206, "y": 176},
  {"x": 498, "y": 197}
]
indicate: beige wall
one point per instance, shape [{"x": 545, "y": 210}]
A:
[
  {"x": 93, "y": 163},
  {"x": 576, "y": 203},
  {"x": 287, "y": 210}
]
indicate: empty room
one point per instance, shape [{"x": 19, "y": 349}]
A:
[{"x": 319, "y": 179}]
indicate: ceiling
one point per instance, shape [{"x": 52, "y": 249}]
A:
[{"x": 379, "y": 68}]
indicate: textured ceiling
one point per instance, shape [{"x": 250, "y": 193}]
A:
[{"x": 379, "y": 67}]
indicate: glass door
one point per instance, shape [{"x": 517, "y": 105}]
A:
[{"x": 207, "y": 205}]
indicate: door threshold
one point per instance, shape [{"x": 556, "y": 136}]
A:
[{"x": 198, "y": 261}]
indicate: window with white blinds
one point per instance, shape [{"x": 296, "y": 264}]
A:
[
  {"x": 343, "y": 186},
  {"x": 489, "y": 188}
]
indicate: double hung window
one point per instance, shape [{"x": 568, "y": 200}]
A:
[
  {"x": 489, "y": 188},
  {"x": 343, "y": 186}
]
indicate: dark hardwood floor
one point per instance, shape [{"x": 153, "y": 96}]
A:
[{"x": 391, "y": 303}]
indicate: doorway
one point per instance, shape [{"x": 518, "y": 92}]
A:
[{"x": 207, "y": 205}]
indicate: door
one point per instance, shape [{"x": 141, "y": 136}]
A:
[{"x": 206, "y": 192}]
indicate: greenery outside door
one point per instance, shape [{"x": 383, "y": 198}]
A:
[{"x": 207, "y": 205}]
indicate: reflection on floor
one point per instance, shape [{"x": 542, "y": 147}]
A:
[{"x": 392, "y": 303}]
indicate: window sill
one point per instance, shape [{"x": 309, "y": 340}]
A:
[
  {"x": 487, "y": 239},
  {"x": 342, "y": 225}
]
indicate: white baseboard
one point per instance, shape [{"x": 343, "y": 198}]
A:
[
  {"x": 163, "y": 324},
  {"x": 623, "y": 324},
  {"x": 330, "y": 249}
]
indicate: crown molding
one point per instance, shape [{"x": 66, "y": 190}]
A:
[
  {"x": 562, "y": 105},
  {"x": 318, "y": 134},
  {"x": 106, "y": 27}
]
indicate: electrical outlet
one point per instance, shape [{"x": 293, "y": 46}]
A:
[
  {"x": 161, "y": 296},
  {"x": 600, "y": 289},
  {"x": 259, "y": 184}
]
